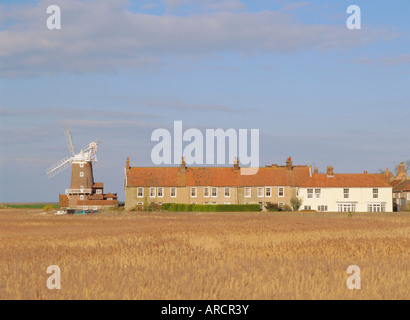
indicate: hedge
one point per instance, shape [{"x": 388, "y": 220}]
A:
[{"x": 181, "y": 207}]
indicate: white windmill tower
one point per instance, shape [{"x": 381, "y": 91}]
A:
[{"x": 82, "y": 177}]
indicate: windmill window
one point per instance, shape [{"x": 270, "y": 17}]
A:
[
  {"x": 81, "y": 165},
  {"x": 81, "y": 174}
]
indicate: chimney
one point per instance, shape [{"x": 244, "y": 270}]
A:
[
  {"x": 183, "y": 164},
  {"x": 289, "y": 163},
  {"x": 401, "y": 171},
  {"x": 316, "y": 170},
  {"x": 330, "y": 171},
  {"x": 236, "y": 164},
  {"x": 128, "y": 163}
]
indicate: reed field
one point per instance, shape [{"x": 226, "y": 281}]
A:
[{"x": 124, "y": 255}]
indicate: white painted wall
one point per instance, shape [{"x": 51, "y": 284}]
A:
[{"x": 330, "y": 197}]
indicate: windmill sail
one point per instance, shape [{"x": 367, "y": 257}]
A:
[{"x": 58, "y": 167}]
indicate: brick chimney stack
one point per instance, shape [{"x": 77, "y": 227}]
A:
[
  {"x": 401, "y": 171},
  {"x": 128, "y": 163},
  {"x": 183, "y": 164},
  {"x": 236, "y": 164},
  {"x": 289, "y": 164},
  {"x": 330, "y": 171},
  {"x": 316, "y": 170}
]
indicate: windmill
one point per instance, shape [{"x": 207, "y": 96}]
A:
[{"x": 82, "y": 177}]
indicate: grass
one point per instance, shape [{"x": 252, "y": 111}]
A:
[
  {"x": 122, "y": 255},
  {"x": 30, "y": 205}
]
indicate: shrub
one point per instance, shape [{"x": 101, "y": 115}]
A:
[
  {"x": 296, "y": 203},
  {"x": 272, "y": 207},
  {"x": 48, "y": 207}
]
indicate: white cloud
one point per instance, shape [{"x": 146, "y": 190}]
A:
[{"x": 105, "y": 36}]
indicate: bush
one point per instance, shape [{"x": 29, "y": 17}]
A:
[
  {"x": 272, "y": 207},
  {"x": 48, "y": 207},
  {"x": 296, "y": 203}
]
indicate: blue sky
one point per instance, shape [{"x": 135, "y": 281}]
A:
[{"x": 118, "y": 70}]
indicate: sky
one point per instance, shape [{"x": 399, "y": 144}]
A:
[{"x": 118, "y": 70}]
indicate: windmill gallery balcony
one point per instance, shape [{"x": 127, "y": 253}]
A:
[{"x": 77, "y": 191}]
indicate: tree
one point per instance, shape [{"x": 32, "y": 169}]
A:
[{"x": 296, "y": 203}]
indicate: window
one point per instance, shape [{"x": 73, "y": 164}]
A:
[
  {"x": 227, "y": 203},
  {"x": 268, "y": 192},
  {"x": 227, "y": 192},
  {"x": 81, "y": 197},
  {"x": 81, "y": 165},
  {"x": 297, "y": 192},
  {"x": 346, "y": 207},
  {"x": 308, "y": 208},
  {"x": 281, "y": 192},
  {"x": 281, "y": 205},
  {"x": 193, "y": 192},
  {"x": 376, "y": 207},
  {"x": 160, "y": 203},
  {"x": 99, "y": 191},
  {"x": 375, "y": 193},
  {"x": 322, "y": 208},
  {"x": 310, "y": 193},
  {"x": 160, "y": 192},
  {"x": 81, "y": 174},
  {"x": 140, "y": 192},
  {"x": 206, "y": 202},
  {"x": 152, "y": 192},
  {"x": 214, "y": 203},
  {"x": 140, "y": 203},
  {"x": 82, "y": 188},
  {"x": 408, "y": 196},
  {"x": 247, "y": 192},
  {"x": 206, "y": 192},
  {"x": 214, "y": 192},
  {"x": 85, "y": 208},
  {"x": 95, "y": 208},
  {"x": 346, "y": 193},
  {"x": 173, "y": 192},
  {"x": 317, "y": 193},
  {"x": 260, "y": 192}
]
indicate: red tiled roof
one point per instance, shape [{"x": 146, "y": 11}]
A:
[
  {"x": 96, "y": 197},
  {"x": 214, "y": 176},
  {"x": 110, "y": 195},
  {"x": 345, "y": 180},
  {"x": 97, "y": 202},
  {"x": 98, "y": 185},
  {"x": 402, "y": 185}
]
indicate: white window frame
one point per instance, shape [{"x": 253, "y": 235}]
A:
[
  {"x": 81, "y": 174},
  {"x": 322, "y": 208},
  {"x": 95, "y": 208},
  {"x": 82, "y": 165},
  {"x": 346, "y": 195},
  {"x": 195, "y": 191},
  {"x": 85, "y": 207},
  {"x": 140, "y": 203},
  {"x": 81, "y": 197},
  {"x": 260, "y": 192},
  {"x": 227, "y": 203},
  {"x": 283, "y": 192},
  {"x": 346, "y": 207},
  {"x": 152, "y": 192},
  {"x": 375, "y": 193},
  {"x": 229, "y": 192},
  {"x": 317, "y": 194},
  {"x": 310, "y": 193},
  {"x": 266, "y": 192},
  {"x": 212, "y": 192},
  {"x": 98, "y": 191},
  {"x": 308, "y": 208},
  {"x": 162, "y": 192},
  {"x": 175, "y": 192},
  {"x": 207, "y": 189},
  {"x": 138, "y": 192},
  {"x": 250, "y": 192},
  {"x": 281, "y": 205}
]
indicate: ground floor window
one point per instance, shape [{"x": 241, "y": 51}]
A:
[
  {"x": 322, "y": 208},
  {"x": 346, "y": 207},
  {"x": 308, "y": 207},
  {"x": 376, "y": 207}
]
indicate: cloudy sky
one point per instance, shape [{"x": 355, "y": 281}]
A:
[{"x": 118, "y": 70}]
